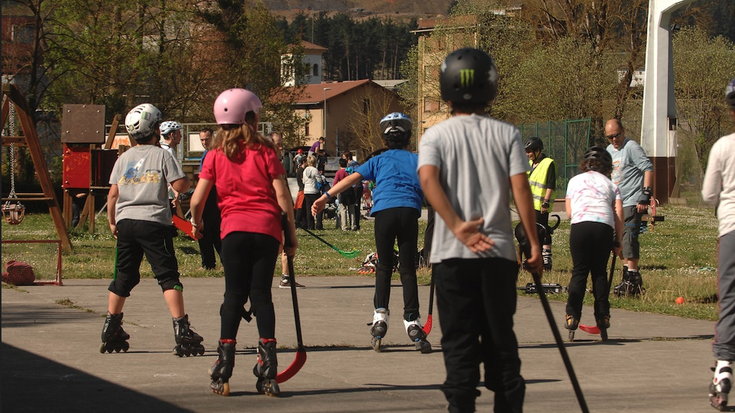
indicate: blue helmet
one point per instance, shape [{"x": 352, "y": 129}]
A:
[{"x": 396, "y": 129}]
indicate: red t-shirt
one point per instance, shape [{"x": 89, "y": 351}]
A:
[{"x": 245, "y": 193}]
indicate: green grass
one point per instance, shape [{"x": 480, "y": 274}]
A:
[{"x": 678, "y": 258}]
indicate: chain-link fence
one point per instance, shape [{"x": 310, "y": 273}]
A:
[{"x": 565, "y": 142}]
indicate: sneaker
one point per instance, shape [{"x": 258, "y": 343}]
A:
[{"x": 286, "y": 283}]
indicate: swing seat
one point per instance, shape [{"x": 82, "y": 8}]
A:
[{"x": 14, "y": 213}]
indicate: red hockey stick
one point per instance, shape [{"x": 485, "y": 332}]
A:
[
  {"x": 429, "y": 321},
  {"x": 300, "y": 359},
  {"x": 184, "y": 225}
]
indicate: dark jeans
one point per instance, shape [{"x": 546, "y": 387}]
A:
[
  {"x": 401, "y": 224},
  {"x": 249, "y": 260},
  {"x": 476, "y": 299},
  {"x": 311, "y": 222},
  {"x": 590, "y": 244}
]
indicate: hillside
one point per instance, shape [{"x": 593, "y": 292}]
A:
[{"x": 361, "y": 8}]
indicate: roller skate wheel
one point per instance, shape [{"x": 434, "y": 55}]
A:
[
  {"x": 102, "y": 348},
  {"x": 603, "y": 334},
  {"x": 269, "y": 387},
  {"x": 125, "y": 347},
  {"x": 375, "y": 343},
  {"x": 571, "y": 335},
  {"x": 221, "y": 388}
]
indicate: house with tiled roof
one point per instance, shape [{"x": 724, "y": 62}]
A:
[
  {"x": 312, "y": 61},
  {"x": 346, "y": 113}
]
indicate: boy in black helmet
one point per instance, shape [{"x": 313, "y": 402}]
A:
[
  {"x": 542, "y": 178},
  {"x": 480, "y": 161}
]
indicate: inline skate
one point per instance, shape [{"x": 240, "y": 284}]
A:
[
  {"x": 571, "y": 324},
  {"x": 114, "y": 338},
  {"x": 188, "y": 343},
  {"x": 721, "y": 384},
  {"x": 417, "y": 335},
  {"x": 221, "y": 370},
  {"x": 546, "y": 257},
  {"x": 603, "y": 324},
  {"x": 266, "y": 368},
  {"x": 379, "y": 327}
]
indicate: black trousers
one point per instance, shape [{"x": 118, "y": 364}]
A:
[
  {"x": 211, "y": 241},
  {"x": 249, "y": 260},
  {"x": 476, "y": 299},
  {"x": 590, "y": 244},
  {"x": 401, "y": 224}
]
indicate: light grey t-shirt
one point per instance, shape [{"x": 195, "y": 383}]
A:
[
  {"x": 476, "y": 156},
  {"x": 142, "y": 175},
  {"x": 629, "y": 165}
]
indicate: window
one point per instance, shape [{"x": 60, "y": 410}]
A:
[
  {"x": 306, "y": 129},
  {"x": 430, "y": 105},
  {"x": 23, "y": 34},
  {"x": 316, "y": 70},
  {"x": 366, "y": 106}
]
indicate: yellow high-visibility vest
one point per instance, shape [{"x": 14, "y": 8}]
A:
[{"x": 537, "y": 180}]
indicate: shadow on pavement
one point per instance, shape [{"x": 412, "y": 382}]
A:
[{"x": 31, "y": 383}]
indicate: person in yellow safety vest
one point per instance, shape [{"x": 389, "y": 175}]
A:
[{"x": 542, "y": 178}]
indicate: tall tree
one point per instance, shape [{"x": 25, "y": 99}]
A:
[{"x": 702, "y": 67}]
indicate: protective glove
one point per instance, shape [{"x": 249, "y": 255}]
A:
[{"x": 645, "y": 198}]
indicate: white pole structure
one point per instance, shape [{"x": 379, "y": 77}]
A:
[{"x": 658, "y": 125}]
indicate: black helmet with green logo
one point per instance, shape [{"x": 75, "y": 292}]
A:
[{"x": 468, "y": 75}]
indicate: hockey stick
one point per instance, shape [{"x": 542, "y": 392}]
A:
[
  {"x": 429, "y": 321},
  {"x": 595, "y": 329},
  {"x": 525, "y": 248},
  {"x": 300, "y": 358},
  {"x": 184, "y": 226},
  {"x": 346, "y": 254}
]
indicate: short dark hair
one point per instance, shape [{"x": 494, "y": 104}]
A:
[
  {"x": 343, "y": 162},
  {"x": 207, "y": 129}
]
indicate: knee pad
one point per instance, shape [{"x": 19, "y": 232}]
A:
[
  {"x": 234, "y": 302},
  {"x": 170, "y": 284},
  {"x": 122, "y": 286}
]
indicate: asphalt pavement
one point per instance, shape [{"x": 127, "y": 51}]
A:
[{"x": 50, "y": 359}]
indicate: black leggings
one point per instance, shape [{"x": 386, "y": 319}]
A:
[
  {"x": 249, "y": 260},
  {"x": 590, "y": 244},
  {"x": 401, "y": 224}
]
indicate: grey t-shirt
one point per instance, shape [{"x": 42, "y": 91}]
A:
[
  {"x": 142, "y": 175},
  {"x": 476, "y": 156},
  {"x": 629, "y": 165}
]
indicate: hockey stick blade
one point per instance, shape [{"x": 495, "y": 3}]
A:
[
  {"x": 184, "y": 226},
  {"x": 589, "y": 329},
  {"x": 294, "y": 367},
  {"x": 346, "y": 254},
  {"x": 428, "y": 325}
]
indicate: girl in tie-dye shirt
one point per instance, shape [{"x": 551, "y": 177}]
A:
[{"x": 595, "y": 208}]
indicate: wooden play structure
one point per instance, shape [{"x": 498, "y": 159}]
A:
[
  {"x": 15, "y": 108},
  {"x": 88, "y": 160}
]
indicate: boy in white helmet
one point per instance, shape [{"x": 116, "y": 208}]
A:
[{"x": 140, "y": 219}]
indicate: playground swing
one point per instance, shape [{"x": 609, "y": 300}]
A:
[{"x": 13, "y": 212}]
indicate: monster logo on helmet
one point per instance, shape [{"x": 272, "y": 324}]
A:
[
  {"x": 468, "y": 75},
  {"x": 142, "y": 121}
]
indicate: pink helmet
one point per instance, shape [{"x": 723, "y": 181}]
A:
[{"x": 232, "y": 105}]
